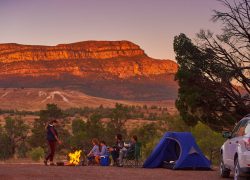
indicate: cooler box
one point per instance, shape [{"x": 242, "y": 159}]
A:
[{"x": 104, "y": 160}]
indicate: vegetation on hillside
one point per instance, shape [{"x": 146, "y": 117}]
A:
[{"x": 20, "y": 140}]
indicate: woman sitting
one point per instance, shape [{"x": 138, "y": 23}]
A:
[
  {"x": 127, "y": 151},
  {"x": 104, "y": 151},
  {"x": 95, "y": 151}
]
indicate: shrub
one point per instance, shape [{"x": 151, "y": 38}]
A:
[
  {"x": 209, "y": 141},
  {"x": 5, "y": 146},
  {"x": 22, "y": 150},
  {"x": 37, "y": 154},
  {"x": 149, "y": 147}
]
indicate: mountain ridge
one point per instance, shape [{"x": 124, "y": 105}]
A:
[
  {"x": 108, "y": 69},
  {"x": 11, "y": 52}
]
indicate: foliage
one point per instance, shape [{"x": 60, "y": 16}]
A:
[
  {"x": 94, "y": 127},
  {"x": 208, "y": 140},
  {"x": 174, "y": 123},
  {"x": 37, "y": 154},
  {"x": 52, "y": 111},
  {"x": 214, "y": 75},
  {"x": 5, "y": 145},
  {"x": 149, "y": 146},
  {"x": 79, "y": 135},
  {"x": 17, "y": 132},
  {"x": 22, "y": 150},
  {"x": 148, "y": 135},
  {"x": 118, "y": 117},
  {"x": 83, "y": 133},
  {"x": 38, "y": 137},
  {"x": 146, "y": 132}
]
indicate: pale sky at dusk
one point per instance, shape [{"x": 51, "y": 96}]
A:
[{"x": 152, "y": 24}]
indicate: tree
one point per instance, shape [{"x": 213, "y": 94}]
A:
[
  {"x": 38, "y": 137},
  {"x": 214, "y": 75},
  {"x": 79, "y": 134},
  {"x": 16, "y": 131},
  {"x": 232, "y": 51},
  {"x": 120, "y": 114},
  {"x": 5, "y": 145},
  {"x": 94, "y": 127}
]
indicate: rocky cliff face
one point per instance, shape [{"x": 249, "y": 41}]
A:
[
  {"x": 110, "y": 69},
  {"x": 74, "y": 51}
]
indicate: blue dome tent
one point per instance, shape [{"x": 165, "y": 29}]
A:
[{"x": 180, "y": 149}]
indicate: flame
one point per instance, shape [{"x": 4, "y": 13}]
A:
[{"x": 74, "y": 158}]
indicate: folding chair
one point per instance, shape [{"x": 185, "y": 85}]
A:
[{"x": 134, "y": 159}]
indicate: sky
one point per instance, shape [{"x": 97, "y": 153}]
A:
[{"x": 152, "y": 24}]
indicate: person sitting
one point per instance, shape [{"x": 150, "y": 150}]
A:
[
  {"x": 95, "y": 151},
  {"x": 104, "y": 152},
  {"x": 130, "y": 150},
  {"x": 104, "y": 149},
  {"x": 116, "y": 149}
]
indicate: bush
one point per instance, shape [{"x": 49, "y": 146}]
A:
[
  {"x": 149, "y": 147},
  {"x": 5, "y": 146},
  {"x": 37, "y": 154},
  {"x": 209, "y": 141},
  {"x": 173, "y": 123},
  {"x": 22, "y": 150}
]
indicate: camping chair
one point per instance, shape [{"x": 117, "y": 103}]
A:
[{"x": 134, "y": 159}]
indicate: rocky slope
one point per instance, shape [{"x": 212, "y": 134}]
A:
[{"x": 109, "y": 69}]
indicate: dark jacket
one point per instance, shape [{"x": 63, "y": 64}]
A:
[
  {"x": 119, "y": 145},
  {"x": 51, "y": 133}
]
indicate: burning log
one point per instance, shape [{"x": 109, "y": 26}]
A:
[{"x": 74, "y": 159}]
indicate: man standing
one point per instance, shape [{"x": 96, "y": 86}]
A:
[{"x": 52, "y": 138}]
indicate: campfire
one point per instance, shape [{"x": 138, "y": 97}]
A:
[{"x": 74, "y": 159}]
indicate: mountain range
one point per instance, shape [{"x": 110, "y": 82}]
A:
[{"x": 118, "y": 70}]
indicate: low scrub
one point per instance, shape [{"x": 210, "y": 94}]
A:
[{"x": 37, "y": 154}]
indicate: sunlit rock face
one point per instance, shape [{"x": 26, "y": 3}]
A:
[
  {"x": 80, "y": 50},
  {"x": 110, "y": 69}
]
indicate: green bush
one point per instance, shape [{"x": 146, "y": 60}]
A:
[
  {"x": 37, "y": 154},
  {"x": 5, "y": 146},
  {"x": 22, "y": 150},
  {"x": 149, "y": 147},
  {"x": 209, "y": 141}
]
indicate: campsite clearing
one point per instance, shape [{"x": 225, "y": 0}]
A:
[{"x": 38, "y": 171}]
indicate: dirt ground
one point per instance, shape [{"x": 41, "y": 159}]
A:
[{"x": 38, "y": 171}]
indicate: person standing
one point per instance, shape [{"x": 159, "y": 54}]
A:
[{"x": 52, "y": 138}]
